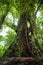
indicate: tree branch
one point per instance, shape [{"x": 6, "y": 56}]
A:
[{"x": 18, "y": 60}]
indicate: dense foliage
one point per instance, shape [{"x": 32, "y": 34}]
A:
[{"x": 21, "y": 29}]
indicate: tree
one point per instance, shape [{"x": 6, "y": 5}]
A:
[{"x": 26, "y": 40}]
